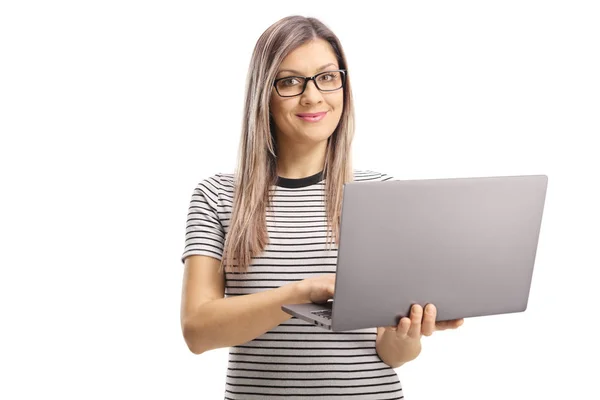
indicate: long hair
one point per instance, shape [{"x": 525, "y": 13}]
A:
[{"x": 257, "y": 153}]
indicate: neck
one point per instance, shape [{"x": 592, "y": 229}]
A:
[{"x": 300, "y": 159}]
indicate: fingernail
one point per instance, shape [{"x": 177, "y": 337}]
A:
[{"x": 430, "y": 309}]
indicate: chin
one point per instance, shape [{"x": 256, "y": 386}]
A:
[
  {"x": 321, "y": 137},
  {"x": 309, "y": 134}
]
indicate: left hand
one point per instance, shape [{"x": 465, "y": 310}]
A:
[{"x": 406, "y": 336}]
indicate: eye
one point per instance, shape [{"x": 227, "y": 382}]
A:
[
  {"x": 291, "y": 81},
  {"x": 329, "y": 76}
]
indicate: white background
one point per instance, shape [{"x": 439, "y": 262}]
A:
[{"x": 111, "y": 112}]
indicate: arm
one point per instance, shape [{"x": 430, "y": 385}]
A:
[{"x": 210, "y": 321}]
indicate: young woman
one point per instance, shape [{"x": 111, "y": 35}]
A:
[{"x": 267, "y": 235}]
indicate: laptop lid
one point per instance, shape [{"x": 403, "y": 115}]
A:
[{"x": 467, "y": 245}]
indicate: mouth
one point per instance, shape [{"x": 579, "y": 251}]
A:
[{"x": 312, "y": 117}]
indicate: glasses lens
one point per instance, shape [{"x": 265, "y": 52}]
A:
[
  {"x": 291, "y": 86},
  {"x": 326, "y": 81},
  {"x": 332, "y": 80}
]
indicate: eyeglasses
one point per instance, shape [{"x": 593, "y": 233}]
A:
[{"x": 327, "y": 81}]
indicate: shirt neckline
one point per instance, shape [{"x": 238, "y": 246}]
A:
[{"x": 295, "y": 183}]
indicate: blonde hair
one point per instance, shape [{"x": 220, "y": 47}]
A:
[{"x": 256, "y": 168}]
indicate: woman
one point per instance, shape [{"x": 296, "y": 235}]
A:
[{"x": 267, "y": 235}]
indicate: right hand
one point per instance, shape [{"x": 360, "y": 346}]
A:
[{"x": 318, "y": 289}]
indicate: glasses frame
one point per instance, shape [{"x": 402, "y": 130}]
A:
[{"x": 311, "y": 78}]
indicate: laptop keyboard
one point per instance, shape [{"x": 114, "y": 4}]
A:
[{"x": 323, "y": 313}]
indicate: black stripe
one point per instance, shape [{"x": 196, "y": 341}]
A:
[
  {"x": 308, "y": 363},
  {"x": 387, "y": 398},
  {"x": 301, "y": 237},
  {"x": 306, "y": 340},
  {"x": 305, "y": 348},
  {"x": 374, "y": 353},
  {"x": 192, "y": 235},
  {"x": 271, "y": 244},
  {"x": 293, "y": 225},
  {"x": 312, "y": 371},
  {"x": 209, "y": 190},
  {"x": 261, "y": 280},
  {"x": 292, "y": 258},
  {"x": 310, "y": 379},
  {"x": 314, "y": 387},
  {"x": 320, "y": 201},
  {"x": 204, "y": 249},
  {"x": 314, "y": 333},
  {"x": 202, "y": 246},
  {"x": 267, "y": 251},
  {"x": 285, "y": 272},
  {"x": 313, "y": 394}
]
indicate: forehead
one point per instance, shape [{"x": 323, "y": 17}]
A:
[{"x": 309, "y": 57}]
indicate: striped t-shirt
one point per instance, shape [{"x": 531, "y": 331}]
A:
[{"x": 296, "y": 359}]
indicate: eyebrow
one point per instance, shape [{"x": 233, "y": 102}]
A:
[{"x": 296, "y": 72}]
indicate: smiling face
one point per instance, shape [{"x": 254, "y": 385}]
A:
[{"x": 307, "y": 60}]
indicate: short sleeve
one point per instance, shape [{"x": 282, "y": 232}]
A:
[
  {"x": 204, "y": 233},
  {"x": 385, "y": 177},
  {"x": 372, "y": 176}
]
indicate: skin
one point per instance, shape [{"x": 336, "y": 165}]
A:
[
  {"x": 302, "y": 144},
  {"x": 302, "y": 147},
  {"x": 399, "y": 344}
]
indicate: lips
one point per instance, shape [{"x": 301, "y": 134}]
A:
[{"x": 311, "y": 115}]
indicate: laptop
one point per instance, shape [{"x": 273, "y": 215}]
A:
[{"x": 467, "y": 245}]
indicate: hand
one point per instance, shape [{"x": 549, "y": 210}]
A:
[
  {"x": 418, "y": 325},
  {"x": 403, "y": 342},
  {"x": 318, "y": 289}
]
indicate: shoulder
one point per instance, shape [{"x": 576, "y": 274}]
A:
[
  {"x": 370, "y": 175},
  {"x": 214, "y": 186}
]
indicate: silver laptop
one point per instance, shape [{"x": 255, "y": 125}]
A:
[{"x": 467, "y": 245}]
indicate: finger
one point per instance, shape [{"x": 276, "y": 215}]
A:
[
  {"x": 451, "y": 324},
  {"x": 458, "y": 322},
  {"x": 429, "y": 320},
  {"x": 403, "y": 327},
  {"x": 416, "y": 316},
  {"x": 441, "y": 325}
]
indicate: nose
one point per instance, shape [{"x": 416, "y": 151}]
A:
[{"x": 311, "y": 93}]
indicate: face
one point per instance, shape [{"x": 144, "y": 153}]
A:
[{"x": 307, "y": 60}]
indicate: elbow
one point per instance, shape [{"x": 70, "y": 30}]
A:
[
  {"x": 192, "y": 337},
  {"x": 390, "y": 363},
  {"x": 194, "y": 348}
]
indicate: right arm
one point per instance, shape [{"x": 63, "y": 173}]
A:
[{"x": 210, "y": 321}]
